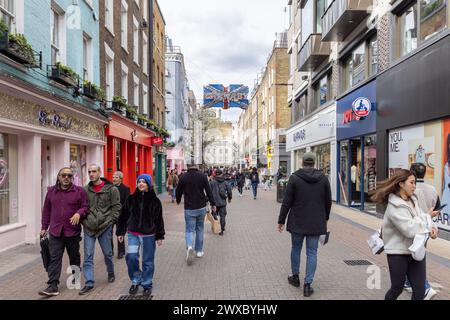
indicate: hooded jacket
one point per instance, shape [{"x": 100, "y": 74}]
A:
[
  {"x": 402, "y": 221},
  {"x": 215, "y": 184},
  {"x": 142, "y": 213},
  {"x": 104, "y": 208},
  {"x": 307, "y": 203}
]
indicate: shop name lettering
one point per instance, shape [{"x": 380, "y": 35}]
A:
[
  {"x": 54, "y": 120},
  {"x": 349, "y": 116},
  {"x": 395, "y": 138},
  {"x": 301, "y": 135}
]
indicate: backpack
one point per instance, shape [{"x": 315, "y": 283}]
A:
[{"x": 223, "y": 190}]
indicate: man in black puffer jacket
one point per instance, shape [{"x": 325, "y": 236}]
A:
[
  {"x": 308, "y": 203},
  {"x": 142, "y": 218}
]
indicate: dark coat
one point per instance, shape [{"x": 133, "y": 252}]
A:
[
  {"x": 142, "y": 213},
  {"x": 194, "y": 185},
  {"x": 220, "y": 202},
  {"x": 124, "y": 193},
  {"x": 307, "y": 202},
  {"x": 254, "y": 177},
  {"x": 240, "y": 177}
]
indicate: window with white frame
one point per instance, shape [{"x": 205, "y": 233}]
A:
[
  {"x": 124, "y": 25},
  {"x": 145, "y": 53},
  {"x": 145, "y": 99},
  {"x": 56, "y": 36},
  {"x": 136, "y": 91},
  {"x": 109, "y": 73},
  {"x": 87, "y": 58},
  {"x": 109, "y": 15},
  {"x": 124, "y": 80},
  {"x": 7, "y": 14},
  {"x": 135, "y": 40}
]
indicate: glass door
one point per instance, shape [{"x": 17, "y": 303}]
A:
[
  {"x": 343, "y": 172},
  {"x": 355, "y": 182}
]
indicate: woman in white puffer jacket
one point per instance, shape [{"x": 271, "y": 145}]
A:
[{"x": 403, "y": 220}]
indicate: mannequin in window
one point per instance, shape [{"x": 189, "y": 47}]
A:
[{"x": 353, "y": 173}]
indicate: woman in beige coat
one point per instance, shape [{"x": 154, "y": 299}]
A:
[{"x": 403, "y": 220}]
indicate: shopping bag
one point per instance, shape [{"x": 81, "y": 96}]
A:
[
  {"x": 375, "y": 243},
  {"x": 323, "y": 239},
  {"x": 45, "y": 251},
  {"x": 214, "y": 220},
  {"x": 417, "y": 249}
]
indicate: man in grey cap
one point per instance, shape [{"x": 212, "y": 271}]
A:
[{"x": 307, "y": 205}]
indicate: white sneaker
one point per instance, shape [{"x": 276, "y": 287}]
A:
[
  {"x": 407, "y": 288},
  {"x": 200, "y": 254},
  {"x": 190, "y": 255},
  {"x": 429, "y": 293}
]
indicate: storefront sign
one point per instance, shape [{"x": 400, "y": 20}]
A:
[
  {"x": 157, "y": 141},
  {"x": 355, "y": 116},
  {"x": 315, "y": 131},
  {"x": 54, "y": 120}
]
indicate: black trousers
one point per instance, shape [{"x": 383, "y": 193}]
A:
[
  {"x": 222, "y": 212},
  {"x": 400, "y": 266},
  {"x": 120, "y": 245},
  {"x": 56, "y": 247},
  {"x": 240, "y": 188}
]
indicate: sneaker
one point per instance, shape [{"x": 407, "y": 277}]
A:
[
  {"x": 221, "y": 233},
  {"x": 190, "y": 255},
  {"x": 429, "y": 293},
  {"x": 200, "y": 254},
  {"x": 133, "y": 289},
  {"x": 307, "y": 290},
  {"x": 111, "y": 277},
  {"x": 85, "y": 290},
  {"x": 147, "y": 292},
  {"x": 50, "y": 291},
  {"x": 294, "y": 280},
  {"x": 407, "y": 288}
]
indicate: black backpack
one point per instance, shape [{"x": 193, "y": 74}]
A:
[{"x": 222, "y": 190}]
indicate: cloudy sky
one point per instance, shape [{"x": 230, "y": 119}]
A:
[{"x": 225, "y": 42}]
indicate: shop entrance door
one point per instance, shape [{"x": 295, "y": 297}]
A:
[
  {"x": 46, "y": 173},
  {"x": 355, "y": 183}
]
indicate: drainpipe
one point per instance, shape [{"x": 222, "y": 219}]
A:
[{"x": 150, "y": 60}]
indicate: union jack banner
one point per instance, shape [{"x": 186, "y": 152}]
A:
[{"x": 218, "y": 96}]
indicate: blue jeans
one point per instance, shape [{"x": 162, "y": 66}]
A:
[
  {"x": 148, "y": 245},
  {"x": 174, "y": 197},
  {"x": 255, "y": 189},
  {"x": 312, "y": 242},
  {"x": 89, "y": 251},
  {"x": 195, "y": 220}
]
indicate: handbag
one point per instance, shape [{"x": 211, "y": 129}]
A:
[
  {"x": 417, "y": 249},
  {"x": 45, "y": 251},
  {"x": 376, "y": 243}
]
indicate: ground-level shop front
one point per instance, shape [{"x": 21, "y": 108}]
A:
[
  {"x": 129, "y": 149},
  {"x": 317, "y": 135},
  {"x": 413, "y": 123},
  {"x": 39, "y": 136},
  {"x": 160, "y": 168},
  {"x": 357, "y": 147}
]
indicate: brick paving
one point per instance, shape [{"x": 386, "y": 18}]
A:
[{"x": 251, "y": 261}]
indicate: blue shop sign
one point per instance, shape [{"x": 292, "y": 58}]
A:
[{"x": 356, "y": 113}]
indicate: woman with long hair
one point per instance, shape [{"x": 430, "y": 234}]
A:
[{"x": 403, "y": 220}]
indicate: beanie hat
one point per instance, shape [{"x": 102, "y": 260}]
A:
[{"x": 147, "y": 178}]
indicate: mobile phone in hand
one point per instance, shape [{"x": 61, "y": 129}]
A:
[{"x": 441, "y": 207}]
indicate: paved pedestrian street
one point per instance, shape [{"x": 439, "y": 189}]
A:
[{"x": 250, "y": 261}]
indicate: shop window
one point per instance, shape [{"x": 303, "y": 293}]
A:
[
  {"x": 118, "y": 153},
  {"x": 370, "y": 173},
  {"x": 78, "y": 164},
  {"x": 343, "y": 172},
  {"x": 8, "y": 179},
  {"x": 323, "y": 158}
]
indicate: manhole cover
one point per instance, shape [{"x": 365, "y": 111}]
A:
[
  {"x": 134, "y": 297},
  {"x": 358, "y": 262}
]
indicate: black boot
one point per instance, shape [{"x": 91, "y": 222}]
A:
[
  {"x": 294, "y": 280},
  {"x": 307, "y": 290}
]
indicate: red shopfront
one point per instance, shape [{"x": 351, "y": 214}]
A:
[{"x": 128, "y": 149}]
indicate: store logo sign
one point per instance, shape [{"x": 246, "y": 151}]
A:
[
  {"x": 300, "y": 135},
  {"x": 46, "y": 119},
  {"x": 361, "y": 107}
]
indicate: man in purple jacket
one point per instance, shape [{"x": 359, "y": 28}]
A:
[{"x": 65, "y": 205}]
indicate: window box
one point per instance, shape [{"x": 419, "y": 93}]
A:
[
  {"x": 16, "y": 47},
  {"x": 92, "y": 91},
  {"x": 63, "y": 75}
]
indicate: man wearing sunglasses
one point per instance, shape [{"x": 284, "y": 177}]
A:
[
  {"x": 104, "y": 210},
  {"x": 65, "y": 205}
]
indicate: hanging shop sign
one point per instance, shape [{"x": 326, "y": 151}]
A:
[{"x": 157, "y": 141}]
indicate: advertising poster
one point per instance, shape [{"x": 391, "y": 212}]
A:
[{"x": 427, "y": 144}]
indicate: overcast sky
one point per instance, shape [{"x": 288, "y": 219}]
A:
[{"x": 224, "y": 42}]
